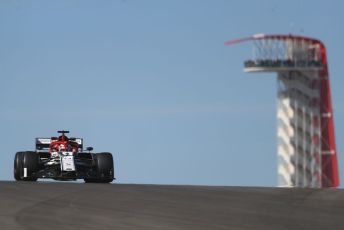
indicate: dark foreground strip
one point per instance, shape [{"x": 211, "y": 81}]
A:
[{"x": 138, "y": 207}]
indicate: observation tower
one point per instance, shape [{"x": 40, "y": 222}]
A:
[{"x": 306, "y": 148}]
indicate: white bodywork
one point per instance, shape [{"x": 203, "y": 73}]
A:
[
  {"x": 67, "y": 163},
  {"x": 65, "y": 159}
]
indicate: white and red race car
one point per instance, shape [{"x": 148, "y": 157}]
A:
[{"x": 63, "y": 158}]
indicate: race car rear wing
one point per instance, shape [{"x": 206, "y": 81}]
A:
[{"x": 43, "y": 143}]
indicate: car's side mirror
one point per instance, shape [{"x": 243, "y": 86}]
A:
[{"x": 89, "y": 149}]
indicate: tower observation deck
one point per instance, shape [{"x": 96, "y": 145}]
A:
[{"x": 306, "y": 148}]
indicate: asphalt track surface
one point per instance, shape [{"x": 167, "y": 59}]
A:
[{"x": 37, "y": 206}]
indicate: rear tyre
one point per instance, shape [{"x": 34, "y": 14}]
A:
[
  {"x": 104, "y": 169},
  {"x": 18, "y": 166},
  {"x": 30, "y": 166}
]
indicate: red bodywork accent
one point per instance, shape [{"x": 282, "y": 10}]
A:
[
  {"x": 329, "y": 163},
  {"x": 63, "y": 144}
]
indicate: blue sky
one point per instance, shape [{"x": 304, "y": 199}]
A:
[{"x": 152, "y": 82}]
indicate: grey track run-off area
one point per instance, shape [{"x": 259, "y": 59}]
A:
[{"x": 120, "y": 206}]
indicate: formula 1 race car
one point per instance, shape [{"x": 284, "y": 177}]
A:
[{"x": 63, "y": 158}]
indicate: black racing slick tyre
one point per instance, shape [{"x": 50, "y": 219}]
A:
[
  {"x": 18, "y": 166},
  {"x": 104, "y": 168},
  {"x": 26, "y": 166},
  {"x": 30, "y": 162}
]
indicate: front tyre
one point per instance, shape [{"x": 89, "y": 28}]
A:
[
  {"x": 25, "y": 166},
  {"x": 30, "y": 166},
  {"x": 104, "y": 168},
  {"x": 18, "y": 166}
]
